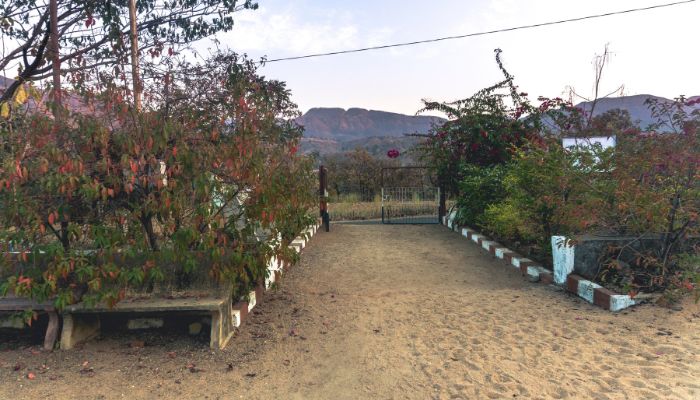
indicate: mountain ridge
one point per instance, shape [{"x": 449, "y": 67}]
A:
[
  {"x": 333, "y": 129},
  {"x": 357, "y": 123}
]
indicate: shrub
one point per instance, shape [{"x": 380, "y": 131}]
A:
[
  {"x": 480, "y": 187},
  {"x": 506, "y": 221},
  {"x": 550, "y": 190},
  {"x": 657, "y": 193}
]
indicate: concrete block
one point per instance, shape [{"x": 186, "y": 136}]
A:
[
  {"x": 620, "y": 302},
  {"x": 51, "y": 330},
  {"x": 586, "y": 289},
  {"x": 270, "y": 279},
  {"x": 545, "y": 275},
  {"x": 546, "y": 278},
  {"x": 78, "y": 328},
  {"x": 518, "y": 261},
  {"x": 533, "y": 274},
  {"x": 194, "y": 328},
  {"x": 486, "y": 244},
  {"x": 222, "y": 327},
  {"x": 239, "y": 313},
  {"x": 601, "y": 297},
  {"x": 251, "y": 300},
  {"x": 11, "y": 321},
  {"x": 465, "y": 232},
  {"x": 144, "y": 323},
  {"x": 572, "y": 283},
  {"x": 502, "y": 251},
  {"x": 299, "y": 242},
  {"x": 563, "y": 258}
]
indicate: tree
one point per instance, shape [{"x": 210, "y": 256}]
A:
[
  {"x": 599, "y": 63},
  {"x": 215, "y": 174},
  {"x": 94, "y": 35}
]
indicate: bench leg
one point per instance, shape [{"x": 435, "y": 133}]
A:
[
  {"x": 221, "y": 327},
  {"x": 51, "y": 331},
  {"x": 78, "y": 329}
]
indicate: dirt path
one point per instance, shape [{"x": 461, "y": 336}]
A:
[{"x": 384, "y": 312}]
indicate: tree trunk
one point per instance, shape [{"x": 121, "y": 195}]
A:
[
  {"x": 55, "y": 59},
  {"x": 134, "y": 56}
]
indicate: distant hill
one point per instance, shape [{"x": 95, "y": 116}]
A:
[
  {"x": 357, "y": 123},
  {"x": 331, "y": 130},
  {"x": 639, "y": 111}
]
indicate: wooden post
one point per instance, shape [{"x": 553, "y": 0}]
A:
[
  {"x": 442, "y": 210},
  {"x": 323, "y": 195}
]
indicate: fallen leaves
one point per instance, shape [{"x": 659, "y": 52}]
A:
[
  {"x": 192, "y": 367},
  {"x": 87, "y": 370}
]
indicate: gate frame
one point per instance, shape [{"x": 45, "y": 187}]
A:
[{"x": 442, "y": 198}]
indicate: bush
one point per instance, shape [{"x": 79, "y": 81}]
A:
[
  {"x": 549, "y": 190},
  {"x": 507, "y": 221},
  {"x": 480, "y": 187},
  {"x": 657, "y": 192}
]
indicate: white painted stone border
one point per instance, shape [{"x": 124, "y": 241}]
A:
[
  {"x": 274, "y": 268},
  {"x": 563, "y": 252},
  {"x": 527, "y": 267},
  {"x": 598, "y": 295}
]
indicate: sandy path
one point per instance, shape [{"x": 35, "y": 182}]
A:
[{"x": 383, "y": 312}]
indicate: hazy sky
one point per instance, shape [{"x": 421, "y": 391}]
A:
[{"x": 654, "y": 52}]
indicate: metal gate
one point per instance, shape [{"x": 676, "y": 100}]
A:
[{"x": 410, "y": 195}]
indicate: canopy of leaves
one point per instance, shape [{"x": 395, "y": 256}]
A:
[
  {"x": 212, "y": 171},
  {"x": 93, "y": 34}
]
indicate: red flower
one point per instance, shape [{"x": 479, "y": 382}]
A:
[{"x": 393, "y": 153}]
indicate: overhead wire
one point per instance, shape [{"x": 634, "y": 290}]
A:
[{"x": 483, "y": 33}]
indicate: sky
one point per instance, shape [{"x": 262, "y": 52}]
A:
[{"x": 653, "y": 52}]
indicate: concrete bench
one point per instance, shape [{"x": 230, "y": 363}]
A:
[
  {"x": 9, "y": 306},
  {"x": 81, "y": 323}
]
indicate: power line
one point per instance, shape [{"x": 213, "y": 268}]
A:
[{"x": 440, "y": 39}]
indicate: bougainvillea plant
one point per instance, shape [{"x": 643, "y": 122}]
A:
[
  {"x": 203, "y": 185},
  {"x": 482, "y": 130}
]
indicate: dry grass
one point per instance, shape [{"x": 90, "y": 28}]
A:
[{"x": 354, "y": 211}]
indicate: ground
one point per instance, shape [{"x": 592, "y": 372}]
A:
[{"x": 384, "y": 312}]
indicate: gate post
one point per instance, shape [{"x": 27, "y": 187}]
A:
[
  {"x": 323, "y": 196},
  {"x": 442, "y": 209}
]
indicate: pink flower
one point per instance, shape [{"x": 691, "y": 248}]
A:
[{"x": 393, "y": 153}]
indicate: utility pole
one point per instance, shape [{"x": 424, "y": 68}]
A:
[
  {"x": 52, "y": 328},
  {"x": 55, "y": 58},
  {"x": 134, "y": 56}
]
